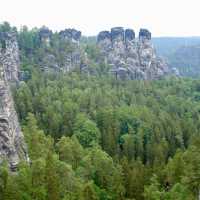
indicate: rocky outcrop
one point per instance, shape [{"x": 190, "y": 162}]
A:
[
  {"x": 72, "y": 57},
  {"x": 129, "y": 57},
  {"x": 144, "y": 34},
  {"x": 71, "y": 35},
  {"x": 12, "y": 147},
  {"x": 45, "y": 35},
  {"x": 9, "y": 55},
  {"x": 67, "y": 55}
]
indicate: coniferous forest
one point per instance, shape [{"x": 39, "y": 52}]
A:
[{"x": 95, "y": 137}]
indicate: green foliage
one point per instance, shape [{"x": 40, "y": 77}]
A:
[
  {"x": 70, "y": 151},
  {"x": 155, "y": 192},
  {"x": 89, "y": 192},
  {"x": 152, "y": 192},
  {"x": 95, "y": 137},
  {"x": 38, "y": 144},
  {"x": 86, "y": 131},
  {"x": 108, "y": 137}
]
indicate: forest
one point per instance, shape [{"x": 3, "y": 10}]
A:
[
  {"x": 102, "y": 138},
  {"x": 95, "y": 137}
]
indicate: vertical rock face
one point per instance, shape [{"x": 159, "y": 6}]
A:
[
  {"x": 71, "y": 35},
  {"x": 9, "y": 55},
  {"x": 12, "y": 147},
  {"x": 144, "y": 34},
  {"x": 104, "y": 41},
  {"x": 131, "y": 57},
  {"x": 45, "y": 35},
  {"x": 68, "y": 53},
  {"x": 117, "y": 34},
  {"x": 129, "y": 35},
  {"x": 72, "y": 58}
]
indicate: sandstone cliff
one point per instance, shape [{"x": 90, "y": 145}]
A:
[
  {"x": 65, "y": 54},
  {"x": 12, "y": 147},
  {"x": 125, "y": 55},
  {"x": 9, "y": 55},
  {"x": 129, "y": 57}
]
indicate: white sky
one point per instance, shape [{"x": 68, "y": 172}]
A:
[{"x": 161, "y": 17}]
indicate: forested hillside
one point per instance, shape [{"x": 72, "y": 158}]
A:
[
  {"x": 181, "y": 53},
  {"x": 167, "y": 45},
  {"x": 98, "y": 137},
  {"x": 187, "y": 60},
  {"x": 101, "y": 138}
]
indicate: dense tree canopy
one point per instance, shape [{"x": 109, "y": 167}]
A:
[{"x": 100, "y": 138}]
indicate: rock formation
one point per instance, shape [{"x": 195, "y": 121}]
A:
[
  {"x": 129, "y": 57},
  {"x": 71, "y": 35},
  {"x": 9, "y": 55},
  {"x": 70, "y": 54},
  {"x": 12, "y": 147},
  {"x": 72, "y": 58},
  {"x": 45, "y": 35}
]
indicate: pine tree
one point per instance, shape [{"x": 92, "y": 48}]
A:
[{"x": 52, "y": 179}]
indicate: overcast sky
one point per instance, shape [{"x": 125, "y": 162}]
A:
[{"x": 161, "y": 17}]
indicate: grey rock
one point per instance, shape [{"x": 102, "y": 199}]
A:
[
  {"x": 104, "y": 42},
  {"x": 50, "y": 64},
  {"x": 71, "y": 34},
  {"x": 64, "y": 56},
  {"x": 69, "y": 58},
  {"x": 129, "y": 57},
  {"x": 45, "y": 35},
  {"x": 175, "y": 71},
  {"x": 12, "y": 146},
  {"x": 129, "y": 34},
  {"x": 117, "y": 33},
  {"x": 9, "y": 55},
  {"x": 44, "y": 32},
  {"x": 144, "y": 34},
  {"x": 104, "y": 35}
]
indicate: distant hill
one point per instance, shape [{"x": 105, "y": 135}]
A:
[
  {"x": 187, "y": 60},
  {"x": 166, "y": 46},
  {"x": 180, "y": 52}
]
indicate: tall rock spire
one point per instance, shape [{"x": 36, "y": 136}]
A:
[
  {"x": 129, "y": 57},
  {"x": 12, "y": 146},
  {"x": 9, "y": 56}
]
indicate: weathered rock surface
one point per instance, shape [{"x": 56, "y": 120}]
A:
[
  {"x": 129, "y": 57},
  {"x": 144, "y": 34},
  {"x": 68, "y": 55},
  {"x": 9, "y": 55},
  {"x": 45, "y": 35},
  {"x": 12, "y": 146},
  {"x": 71, "y": 35}
]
